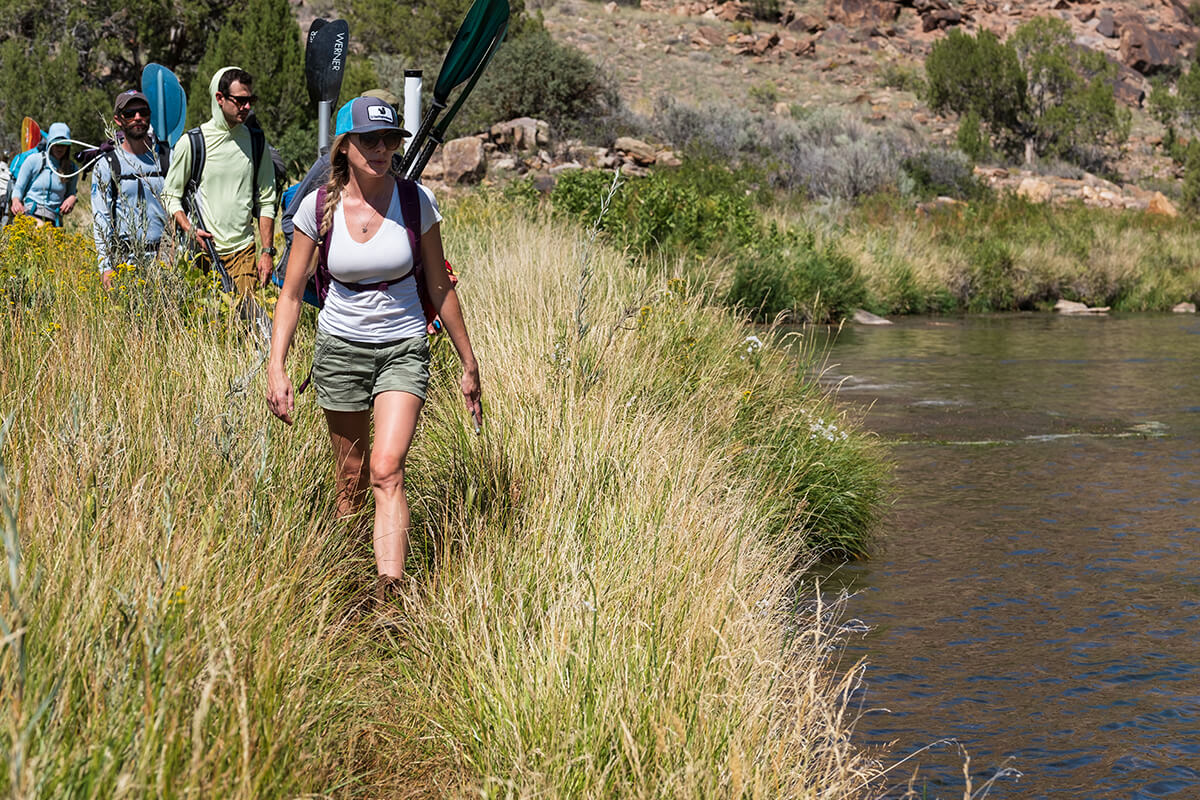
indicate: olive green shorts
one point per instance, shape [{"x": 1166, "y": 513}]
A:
[{"x": 348, "y": 375}]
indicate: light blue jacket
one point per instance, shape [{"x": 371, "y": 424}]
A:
[
  {"x": 140, "y": 213},
  {"x": 37, "y": 182}
]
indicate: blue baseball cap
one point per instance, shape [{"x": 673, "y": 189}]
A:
[{"x": 367, "y": 114}]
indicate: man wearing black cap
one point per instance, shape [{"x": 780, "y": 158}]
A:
[{"x": 128, "y": 214}]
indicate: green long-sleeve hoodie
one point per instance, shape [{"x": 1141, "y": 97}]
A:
[{"x": 226, "y": 186}]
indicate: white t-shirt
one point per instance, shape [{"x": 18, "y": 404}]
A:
[{"x": 373, "y": 315}]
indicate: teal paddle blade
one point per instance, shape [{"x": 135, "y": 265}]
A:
[
  {"x": 168, "y": 102},
  {"x": 471, "y": 45}
]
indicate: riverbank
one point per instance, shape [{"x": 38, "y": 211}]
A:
[
  {"x": 606, "y": 603},
  {"x": 779, "y": 257},
  {"x": 1006, "y": 253}
]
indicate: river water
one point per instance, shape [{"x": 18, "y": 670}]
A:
[{"x": 1035, "y": 590}]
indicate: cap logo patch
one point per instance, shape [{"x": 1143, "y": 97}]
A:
[{"x": 380, "y": 114}]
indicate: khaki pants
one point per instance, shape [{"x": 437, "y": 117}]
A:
[{"x": 242, "y": 267}]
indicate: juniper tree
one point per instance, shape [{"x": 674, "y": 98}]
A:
[{"x": 1039, "y": 89}]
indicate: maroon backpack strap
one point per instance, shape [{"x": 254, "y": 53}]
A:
[{"x": 410, "y": 210}]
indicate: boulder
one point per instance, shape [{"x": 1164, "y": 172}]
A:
[
  {"x": 732, "y": 11},
  {"x": 522, "y": 133},
  {"x": 1129, "y": 86},
  {"x": 862, "y": 12},
  {"x": 463, "y": 160},
  {"x": 1034, "y": 190},
  {"x": 667, "y": 158},
  {"x": 636, "y": 149},
  {"x": 1106, "y": 26},
  {"x": 433, "y": 170},
  {"x": 1147, "y": 51},
  {"x": 1159, "y": 204},
  {"x": 863, "y": 317},
  {"x": 707, "y": 36},
  {"x": 764, "y": 42},
  {"x": 835, "y": 35},
  {"x": 1072, "y": 307},
  {"x": 941, "y": 19},
  {"x": 1184, "y": 308},
  {"x": 805, "y": 23}
]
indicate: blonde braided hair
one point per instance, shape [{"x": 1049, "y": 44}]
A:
[{"x": 339, "y": 176}]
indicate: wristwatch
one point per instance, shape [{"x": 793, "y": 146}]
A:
[{"x": 269, "y": 251}]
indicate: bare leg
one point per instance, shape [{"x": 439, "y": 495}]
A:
[
  {"x": 350, "y": 433},
  {"x": 395, "y": 423}
]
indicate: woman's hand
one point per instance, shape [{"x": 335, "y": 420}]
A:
[
  {"x": 281, "y": 398},
  {"x": 471, "y": 393},
  {"x": 67, "y": 205}
]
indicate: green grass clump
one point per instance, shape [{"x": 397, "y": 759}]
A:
[{"x": 786, "y": 273}]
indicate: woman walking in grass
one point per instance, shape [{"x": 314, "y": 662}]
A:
[{"x": 371, "y": 349}]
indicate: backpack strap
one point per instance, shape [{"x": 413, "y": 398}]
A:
[
  {"x": 191, "y": 189},
  {"x": 258, "y": 145},
  {"x": 164, "y": 156},
  {"x": 114, "y": 188},
  {"x": 410, "y": 210}
]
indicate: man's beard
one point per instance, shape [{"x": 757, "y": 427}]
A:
[{"x": 135, "y": 135}]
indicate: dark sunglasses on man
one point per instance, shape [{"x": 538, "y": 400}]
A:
[
  {"x": 391, "y": 139},
  {"x": 241, "y": 101},
  {"x": 130, "y": 113}
]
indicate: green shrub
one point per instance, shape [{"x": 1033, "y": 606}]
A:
[
  {"x": 765, "y": 93},
  {"x": 978, "y": 74},
  {"x": 767, "y": 10},
  {"x": 580, "y": 194},
  {"x": 693, "y": 208},
  {"x": 786, "y": 272},
  {"x": 972, "y": 139},
  {"x": 936, "y": 173},
  {"x": 534, "y": 76},
  {"x": 904, "y": 78},
  {"x": 1039, "y": 87}
]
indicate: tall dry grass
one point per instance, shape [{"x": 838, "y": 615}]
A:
[{"x": 607, "y": 604}]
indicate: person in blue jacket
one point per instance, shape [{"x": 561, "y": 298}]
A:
[
  {"x": 40, "y": 190},
  {"x": 127, "y": 211}
]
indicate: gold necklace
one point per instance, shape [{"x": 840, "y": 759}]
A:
[{"x": 370, "y": 215}]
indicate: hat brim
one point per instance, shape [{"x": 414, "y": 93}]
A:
[
  {"x": 380, "y": 126},
  {"x": 126, "y": 98}
]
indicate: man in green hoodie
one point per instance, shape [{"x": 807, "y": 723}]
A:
[{"x": 230, "y": 193}]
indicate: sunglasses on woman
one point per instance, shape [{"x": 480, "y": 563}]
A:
[{"x": 391, "y": 139}]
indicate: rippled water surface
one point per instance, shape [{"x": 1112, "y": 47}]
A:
[{"x": 1036, "y": 590}]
